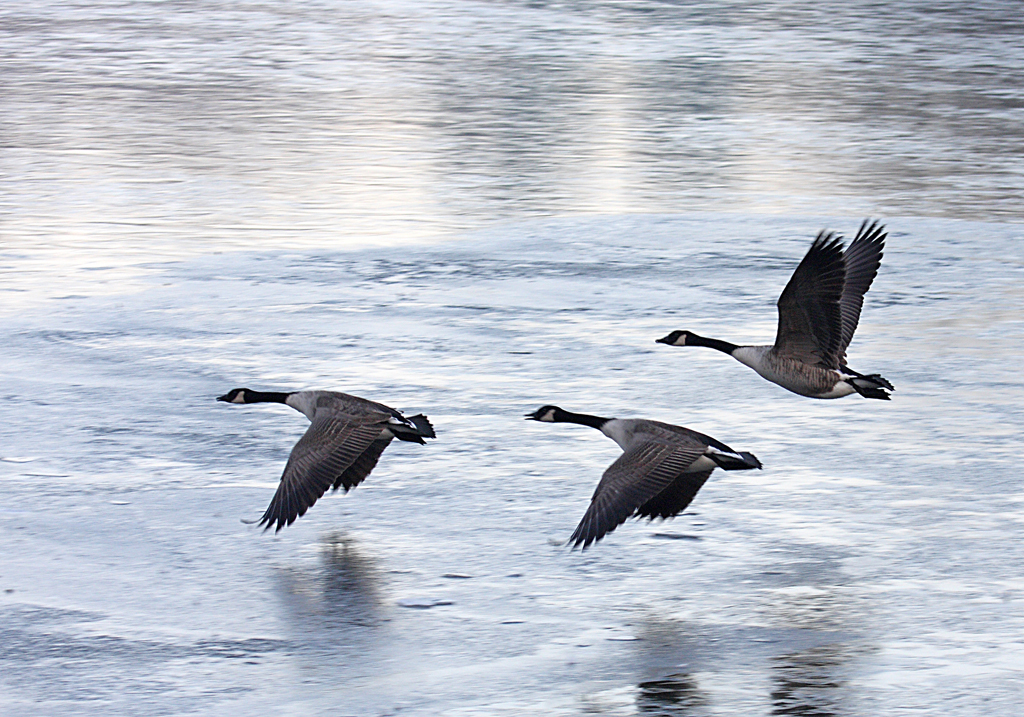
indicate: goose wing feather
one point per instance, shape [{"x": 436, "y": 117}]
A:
[
  {"x": 810, "y": 318},
  {"x": 863, "y": 257},
  {"x": 673, "y": 500},
  {"x": 643, "y": 471},
  {"x": 321, "y": 457},
  {"x": 362, "y": 465}
]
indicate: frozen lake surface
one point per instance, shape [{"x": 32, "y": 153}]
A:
[{"x": 471, "y": 210}]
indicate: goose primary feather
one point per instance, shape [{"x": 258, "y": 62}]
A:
[
  {"x": 818, "y": 314},
  {"x": 343, "y": 443},
  {"x": 658, "y": 474}
]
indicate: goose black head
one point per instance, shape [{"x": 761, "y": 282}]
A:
[
  {"x": 545, "y": 414},
  {"x": 235, "y": 395},
  {"x": 676, "y": 338}
]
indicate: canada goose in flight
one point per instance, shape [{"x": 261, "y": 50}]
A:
[
  {"x": 659, "y": 472},
  {"x": 342, "y": 445},
  {"x": 818, "y": 313}
]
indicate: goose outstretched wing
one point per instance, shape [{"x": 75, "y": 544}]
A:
[
  {"x": 321, "y": 458},
  {"x": 362, "y": 465},
  {"x": 673, "y": 500},
  {"x": 862, "y": 257},
  {"x": 639, "y": 475},
  {"x": 810, "y": 317}
]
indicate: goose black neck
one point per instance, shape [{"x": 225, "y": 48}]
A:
[
  {"x": 581, "y": 418},
  {"x": 723, "y": 346},
  {"x": 266, "y": 397}
]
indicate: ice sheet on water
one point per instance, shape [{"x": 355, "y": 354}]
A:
[{"x": 133, "y": 512}]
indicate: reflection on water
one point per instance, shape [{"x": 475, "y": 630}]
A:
[
  {"x": 808, "y": 683},
  {"x": 808, "y": 679},
  {"x": 809, "y": 637},
  {"x": 337, "y": 604},
  {"x": 668, "y": 653},
  {"x": 333, "y": 613},
  {"x": 349, "y": 583},
  {"x": 673, "y": 696}
]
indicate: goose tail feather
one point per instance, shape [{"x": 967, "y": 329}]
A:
[
  {"x": 869, "y": 386},
  {"x": 740, "y": 461},
  {"x": 416, "y": 432}
]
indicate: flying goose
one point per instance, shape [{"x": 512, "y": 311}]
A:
[
  {"x": 659, "y": 472},
  {"x": 342, "y": 445},
  {"x": 818, "y": 313}
]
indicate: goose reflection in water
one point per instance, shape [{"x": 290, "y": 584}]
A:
[
  {"x": 809, "y": 683},
  {"x": 668, "y": 654},
  {"x": 672, "y": 696},
  {"x": 341, "y": 595}
]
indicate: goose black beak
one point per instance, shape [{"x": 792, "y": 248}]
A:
[
  {"x": 663, "y": 340},
  {"x": 224, "y": 397}
]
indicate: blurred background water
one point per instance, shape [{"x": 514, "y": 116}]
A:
[{"x": 471, "y": 209}]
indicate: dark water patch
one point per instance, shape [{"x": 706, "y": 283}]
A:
[
  {"x": 676, "y": 695},
  {"x": 812, "y": 683},
  {"x": 676, "y": 536}
]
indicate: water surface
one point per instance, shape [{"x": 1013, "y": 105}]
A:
[{"x": 471, "y": 210}]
